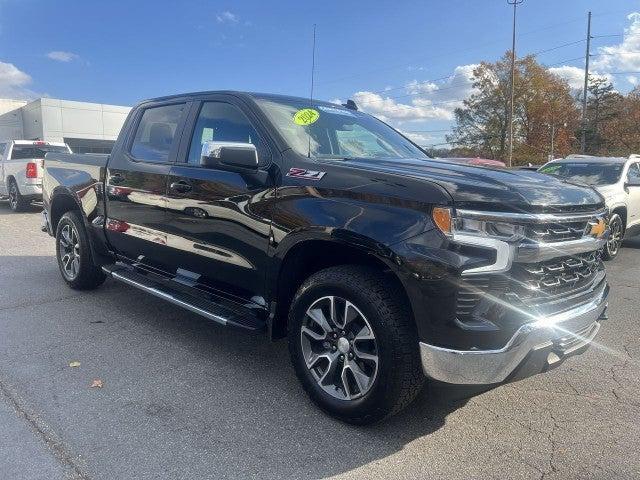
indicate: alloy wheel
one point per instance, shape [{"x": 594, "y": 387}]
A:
[
  {"x": 615, "y": 236},
  {"x": 339, "y": 348},
  {"x": 69, "y": 251}
]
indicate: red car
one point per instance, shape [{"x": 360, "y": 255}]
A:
[{"x": 480, "y": 162}]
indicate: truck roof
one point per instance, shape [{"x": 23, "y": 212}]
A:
[{"x": 241, "y": 94}]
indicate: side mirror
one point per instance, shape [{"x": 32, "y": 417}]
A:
[
  {"x": 235, "y": 156},
  {"x": 633, "y": 183}
]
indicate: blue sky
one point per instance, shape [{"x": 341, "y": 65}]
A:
[{"x": 406, "y": 61}]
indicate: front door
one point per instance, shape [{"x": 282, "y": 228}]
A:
[
  {"x": 633, "y": 192},
  {"x": 218, "y": 221},
  {"x": 136, "y": 184}
]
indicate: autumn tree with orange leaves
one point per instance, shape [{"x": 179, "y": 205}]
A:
[{"x": 543, "y": 107}]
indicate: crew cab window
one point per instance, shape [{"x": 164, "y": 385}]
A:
[
  {"x": 156, "y": 132},
  {"x": 222, "y": 122},
  {"x": 23, "y": 152},
  {"x": 633, "y": 176}
]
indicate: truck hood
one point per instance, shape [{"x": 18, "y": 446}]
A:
[{"x": 493, "y": 189}]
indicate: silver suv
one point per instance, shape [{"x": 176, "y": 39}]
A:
[{"x": 618, "y": 181}]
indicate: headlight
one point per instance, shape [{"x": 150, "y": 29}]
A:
[{"x": 451, "y": 225}]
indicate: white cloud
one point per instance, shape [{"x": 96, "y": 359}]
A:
[
  {"x": 624, "y": 56},
  {"x": 422, "y": 100},
  {"x": 14, "y": 82},
  {"x": 61, "y": 56},
  {"x": 575, "y": 75},
  {"x": 227, "y": 17}
]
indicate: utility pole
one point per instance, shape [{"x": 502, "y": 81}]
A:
[
  {"x": 515, "y": 3},
  {"x": 583, "y": 141}
]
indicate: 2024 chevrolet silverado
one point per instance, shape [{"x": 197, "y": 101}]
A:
[{"x": 321, "y": 223}]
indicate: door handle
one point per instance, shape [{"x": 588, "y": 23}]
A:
[
  {"x": 116, "y": 179},
  {"x": 181, "y": 187}
]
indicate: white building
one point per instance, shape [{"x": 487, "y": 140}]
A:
[{"x": 85, "y": 127}]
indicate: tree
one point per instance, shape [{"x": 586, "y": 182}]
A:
[
  {"x": 604, "y": 112},
  {"x": 543, "y": 106}
]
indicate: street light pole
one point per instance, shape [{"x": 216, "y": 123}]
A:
[
  {"x": 515, "y": 3},
  {"x": 585, "y": 91}
]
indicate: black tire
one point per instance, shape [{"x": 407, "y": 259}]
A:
[
  {"x": 17, "y": 202},
  {"x": 613, "y": 245},
  {"x": 76, "y": 251},
  {"x": 398, "y": 377}
]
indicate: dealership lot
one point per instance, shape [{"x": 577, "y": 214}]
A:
[{"x": 184, "y": 398}]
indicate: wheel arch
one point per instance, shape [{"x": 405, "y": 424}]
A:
[
  {"x": 61, "y": 203},
  {"x": 308, "y": 256},
  {"x": 621, "y": 210}
]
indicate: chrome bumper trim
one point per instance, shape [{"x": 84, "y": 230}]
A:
[
  {"x": 540, "y": 252},
  {"x": 484, "y": 367}
]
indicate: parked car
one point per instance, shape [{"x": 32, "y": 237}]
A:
[
  {"x": 479, "y": 162},
  {"x": 322, "y": 224},
  {"x": 531, "y": 167},
  {"x": 618, "y": 180},
  {"x": 21, "y": 170}
]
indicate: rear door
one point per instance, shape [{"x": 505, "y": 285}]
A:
[
  {"x": 219, "y": 220},
  {"x": 136, "y": 184}
]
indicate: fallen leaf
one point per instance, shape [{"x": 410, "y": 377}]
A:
[
  {"x": 97, "y": 383},
  {"x": 75, "y": 363}
]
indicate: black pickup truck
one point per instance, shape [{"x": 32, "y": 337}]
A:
[{"x": 317, "y": 222}]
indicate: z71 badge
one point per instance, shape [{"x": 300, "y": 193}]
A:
[{"x": 303, "y": 173}]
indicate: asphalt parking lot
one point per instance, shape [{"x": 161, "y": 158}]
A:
[{"x": 186, "y": 399}]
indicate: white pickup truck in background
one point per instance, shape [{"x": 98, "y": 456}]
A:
[{"x": 21, "y": 170}]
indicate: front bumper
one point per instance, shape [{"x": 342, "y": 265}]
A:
[{"x": 550, "y": 338}]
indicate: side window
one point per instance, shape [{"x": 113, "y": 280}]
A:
[
  {"x": 2, "y": 148},
  {"x": 221, "y": 122},
  {"x": 156, "y": 132},
  {"x": 633, "y": 176}
]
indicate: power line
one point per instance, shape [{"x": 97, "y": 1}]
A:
[{"x": 464, "y": 50}]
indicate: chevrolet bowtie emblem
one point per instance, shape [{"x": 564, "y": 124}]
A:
[{"x": 598, "y": 229}]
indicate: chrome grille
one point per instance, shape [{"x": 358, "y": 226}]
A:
[
  {"x": 556, "y": 232},
  {"x": 531, "y": 284},
  {"x": 546, "y": 280}
]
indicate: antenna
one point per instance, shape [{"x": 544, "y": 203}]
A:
[
  {"x": 313, "y": 72},
  {"x": 313, "y": 63}
]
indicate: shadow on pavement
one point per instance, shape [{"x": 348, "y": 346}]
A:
[{"x": 177, "y": 387}]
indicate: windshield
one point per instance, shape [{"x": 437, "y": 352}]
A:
[
  {"x": 35, "y": 151},
  {"x": 335, "y": 132},
  {"x": 586, "y": 172}
]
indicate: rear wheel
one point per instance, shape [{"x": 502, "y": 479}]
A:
[
  {"x": 17, "y": 202},
  {"x": 354, "y": 345},
  {"x": 74, "y": 254},
  {"x": 616, "y": 228}
]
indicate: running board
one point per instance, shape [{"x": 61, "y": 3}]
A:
[{"x": 209, "y": 308}]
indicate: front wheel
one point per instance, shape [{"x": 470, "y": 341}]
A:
[
  {"x": 74, "y": 254},
  {"x": 616, "y": 228},
  {"x": 17, "y": 202},
  {"x": 354, "y": 345}
]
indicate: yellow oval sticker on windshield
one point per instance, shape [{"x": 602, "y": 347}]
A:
[{"x": 306, "y": 116}]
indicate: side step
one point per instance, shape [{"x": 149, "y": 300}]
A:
[{"x": 207, "y": 305}]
